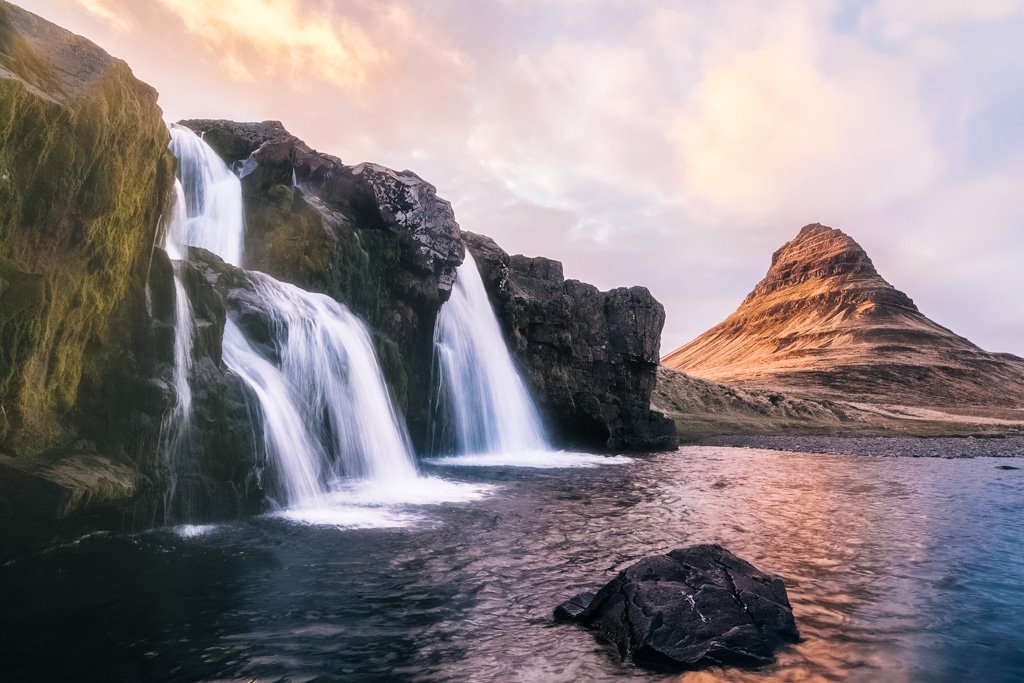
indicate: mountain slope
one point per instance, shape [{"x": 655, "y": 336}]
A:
[{"x": 824, "y": 323}]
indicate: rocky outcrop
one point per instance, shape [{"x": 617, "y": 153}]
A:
[
  {"x": 84, "y": 175},
  {"x": 84, "y": 357},
  {"x": 216, "y": 467},
  {"x": 383, "y": 243},
  {"x": 694, "y": 607},
  {"x": 591, "y": 357},
  {"x": 823, "y": 323},
  {"x": 87, "y": 296},
  {"x": 379, "y": 240}
]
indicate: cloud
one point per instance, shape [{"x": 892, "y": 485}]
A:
[
  {"x": 102, "y": 10},
  {"x": 771, "y": 128},
  {"x": 901, "y": 19},
  {"x": 256, "y": 39},
  {"x": 669, "y": 144}
]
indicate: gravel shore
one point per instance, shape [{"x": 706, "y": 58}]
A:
[{"x": 967, "y": 447}]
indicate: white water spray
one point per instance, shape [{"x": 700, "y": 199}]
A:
[
  {"x": 332, "y": 371},
  {"x": 485, "y": 404},
  {"x": 295, "y": 453},
  {"x": 213, "y": 196},
  {"x": 175, "y": 429},
  {"x": 175, "y": 246},
  {"x": 331, "y": 432}
]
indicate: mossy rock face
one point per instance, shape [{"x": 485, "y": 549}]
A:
[
  {"x": 377, "y": 240},
  {"x": 84, "y": 173},
  {"x": 56, "y": 484}
]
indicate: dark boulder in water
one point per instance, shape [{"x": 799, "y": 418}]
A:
[{"x": 694, "y": 607}]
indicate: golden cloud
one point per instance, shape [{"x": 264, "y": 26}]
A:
[
  {"x": 254, "y": 38},
  {"x": 770, "y": 128}
]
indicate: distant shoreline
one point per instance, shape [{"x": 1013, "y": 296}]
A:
[{"x": 993, "y": 446}]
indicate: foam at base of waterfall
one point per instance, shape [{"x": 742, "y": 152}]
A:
[
  {"x": 535, "y": 459},
  {"x": 381, "y": 504},
  {"x": 348, "y": 517},
  {"x": 193, "y": 530},
  {"x": 418, "y": 491}
]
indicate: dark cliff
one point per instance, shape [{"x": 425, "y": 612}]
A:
[
  {"x": 590, "y": 356},
  {"x": 384, "y": 244},
  {"x": 378, "y": 240},
  {"x": 87, "y": 300},
  {"x": 84, "y": 348}
]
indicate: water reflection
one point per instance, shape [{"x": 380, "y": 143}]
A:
[{"x": 898, "y": 569}]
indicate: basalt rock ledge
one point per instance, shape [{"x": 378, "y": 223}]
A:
[{"x": 590, "y": 356}]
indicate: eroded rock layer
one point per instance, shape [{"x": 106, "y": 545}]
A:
[{"x": 824, "y": 323}]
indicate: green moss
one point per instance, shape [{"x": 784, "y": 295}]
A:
[{"x": 81, "y": 187}]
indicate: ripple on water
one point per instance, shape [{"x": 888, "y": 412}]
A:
[{"x": 898, "y": 570}]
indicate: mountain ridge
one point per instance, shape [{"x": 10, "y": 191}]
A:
[{"x": 824, "y": 323}]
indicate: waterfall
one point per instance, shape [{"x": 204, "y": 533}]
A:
[
  {"x": 213, "y": 197},
  {"x": 296, "y": 454},
  {"x": 175, "y": 429},
  {"x": 482, "y": 401},
  {"x": 175, "y": 246},
  {"x": 330, "y": 366},
  {"x": 326, "y": 415}
]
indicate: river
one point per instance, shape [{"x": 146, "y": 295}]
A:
[{"x": 899, "y": 569}]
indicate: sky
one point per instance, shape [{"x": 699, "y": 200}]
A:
[{"x": 673, "y": 145}]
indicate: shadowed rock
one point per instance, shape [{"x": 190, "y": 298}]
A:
[
  {"x": 694, "y": 607},
  {"x": 380, "y": 241},
  {"x": 591, "y": 357}
]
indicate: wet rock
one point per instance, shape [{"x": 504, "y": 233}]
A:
[
  {"x": 694, "y": 607},
  {"x": 591, "y": 357},
  {"x": 380, "y": 241},
  {"x": 86, "y": 174},
  {"x": 59, "y": 483}
]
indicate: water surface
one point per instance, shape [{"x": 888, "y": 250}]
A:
[{"x": 898, "y": 569}]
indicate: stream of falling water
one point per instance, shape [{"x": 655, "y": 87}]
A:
[
  {"x": 331, "y": 432},
  {"x": 484, "y": 411}
]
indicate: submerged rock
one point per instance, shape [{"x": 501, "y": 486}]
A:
[{"x": 694, "y": 607}]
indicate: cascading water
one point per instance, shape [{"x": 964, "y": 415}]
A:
[
  {"x": 176, "y": 428},
  {"x": 327, "y": 417},
  {"x": 299, "y": 459},
  {"x": 175, "y": 245},
  {"x": 331, "y": 368},
  {"x": 213, "y": 197},
  {"x": 484, "y": 403}
]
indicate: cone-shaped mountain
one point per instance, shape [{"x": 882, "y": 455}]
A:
[{"x": 823, "y": 322}]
